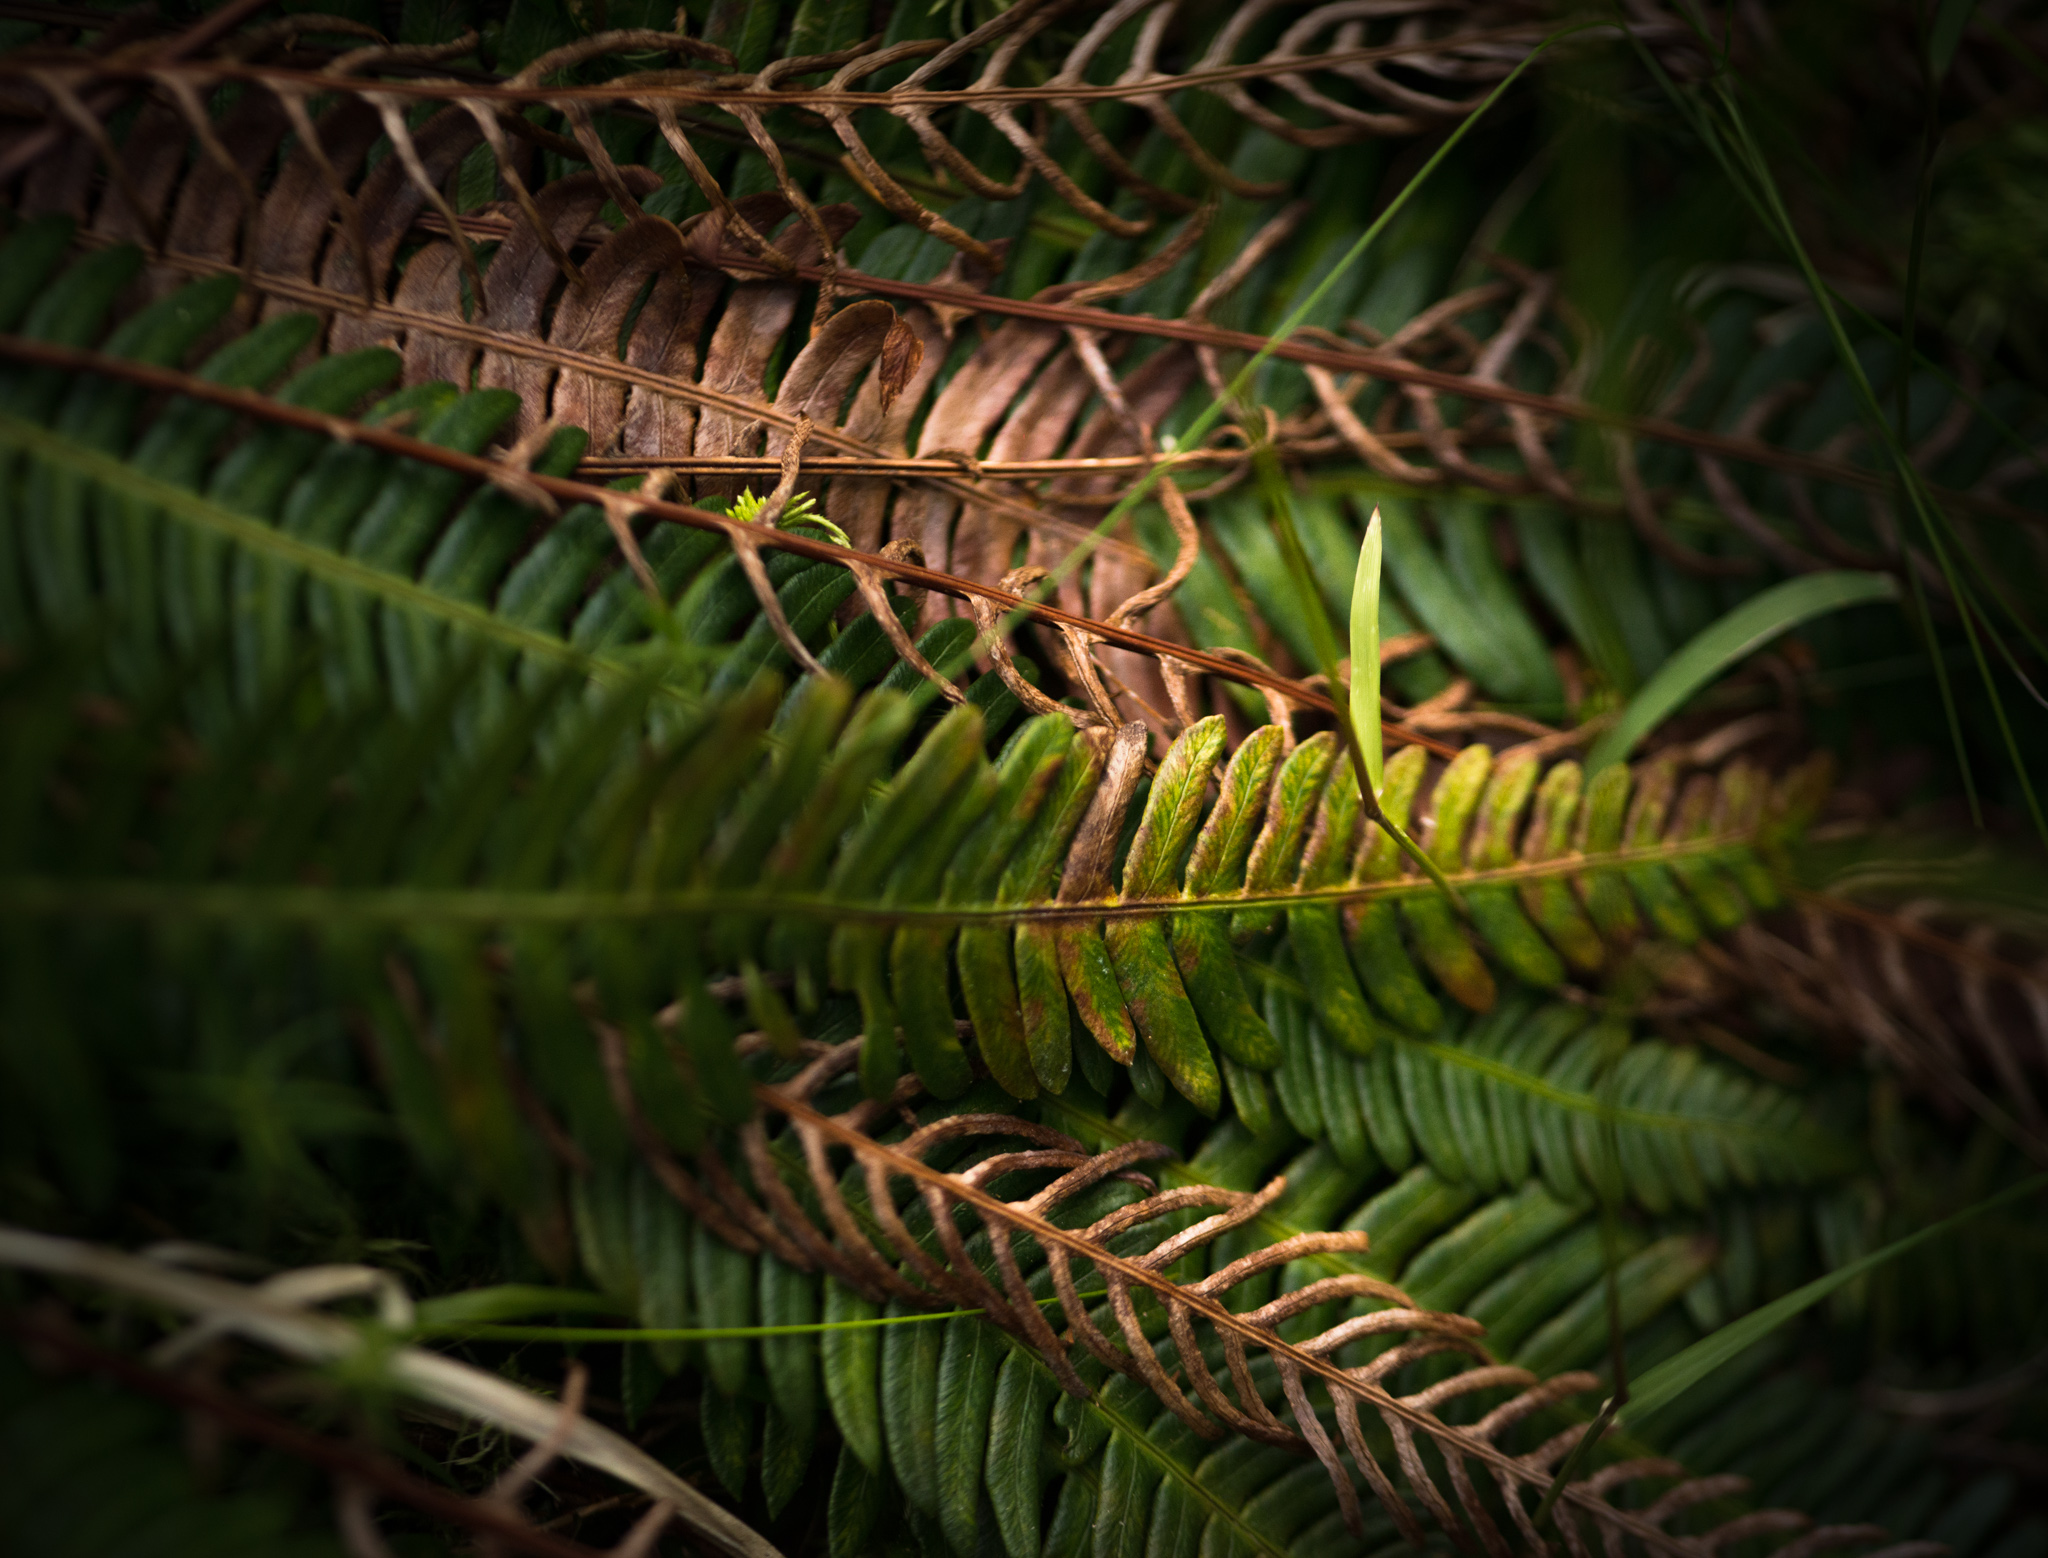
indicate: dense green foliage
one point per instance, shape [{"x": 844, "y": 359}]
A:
[{"x": 386, "y": 879}]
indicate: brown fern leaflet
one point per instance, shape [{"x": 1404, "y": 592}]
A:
[{"x": 549, "y": 308}]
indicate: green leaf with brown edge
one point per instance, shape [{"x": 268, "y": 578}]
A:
[
  {"x": 1032, "y": 875},
  {"x": 1207, "y": 961},
  {"x": 1217, "y": 864},
  {"x": 1201, "y": 942},
  {"x": 1044, "y": 1005},
  {"x": 1496, "y": 911},
  {"x": 1290, "y": 808},
  {"x": 1084, "y": 961},
  {"x": 1602, "y": 817},
  {"x": 1668, "y": 909},
  {"x": 1173, "y": 808},
  {"x": 1551, "y": 902},
  {"x": 1439, "y": 938},
  {"x": 1153, "y": 994},
  {"x": 988, "y": 985},
  {"x": 1159, "y": 1007},
  {"x": 1091, "y": 979},
  {"x": 1314, "y": 930}
]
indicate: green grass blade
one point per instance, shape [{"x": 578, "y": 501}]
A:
[
  {"x": 462, "y": 1315},
  {"x": 1946, "y": 35},
  {"x": 509, "y": 1301},
  {"x": 1750, "y": 176},
  {"x": 1365, "y": 652},
  {"x": 1308, "y": 601},
  {"x": 1674, "y": 1376},
  {"x": 1932, "y": 521},
  {"x": 1741, "y": 632},
  {"x": 1316, "y": 618}
]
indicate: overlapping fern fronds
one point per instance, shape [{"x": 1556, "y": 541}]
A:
[
  {"x": 679, "y": 402},
  {"x": 528, "y": 693}
]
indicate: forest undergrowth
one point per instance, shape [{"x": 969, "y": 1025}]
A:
[{"x": 1194, "y": 777}]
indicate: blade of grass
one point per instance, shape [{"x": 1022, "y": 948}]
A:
[
  {"x": 1323, "y": 638},
  {"x": 1923, "y": 192},
  {"x": 1671, "y": 1378},
  {"x": 1749, "y": 188},
  {"x": 1365, "y": 653},
  {"x": 1741, "y": 632},
  {"x": 368, "y": 1358},
  {"x": 1315, "y": 616},
  {"x": 1914, "y": 359},
  {"x": 511, "y": 1300},
  {"x": 2007, "y": 433},
  {"x": 1909, "y": 476},
  {"x": 483, "y": 1331}
]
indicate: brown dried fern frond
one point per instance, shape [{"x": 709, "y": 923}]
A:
[
  {"x": 1325, "y": 84},
  {"x": 882, "y": 1217},
  {"x": 659, "y": 339},
  {"x": 1952, "y": 994},
  {"x": 894, "y": 563},
  {"x": 275, "y": 237}
]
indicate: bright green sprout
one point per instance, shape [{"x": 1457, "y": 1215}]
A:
[{"x": 802, "y": 510}]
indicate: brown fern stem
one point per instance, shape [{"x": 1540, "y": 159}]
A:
[
  {"x": 728, "y": 93},
  {"x": 1372, "y": 364}
]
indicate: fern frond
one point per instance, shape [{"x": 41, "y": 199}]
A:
[
  {"x": 1027, "y": 1249},
  {"x": 665, "y": 381},
  {"x": 1525, "y": 1093},
  {"x": 1001, "y": 1281},
  {"x": 854, "y": 915},
  {"x": 1928, "y": 986},
  {"x": 1002, "y": 45},
  {"x": 75, "y": 581},
  {"x": 434, "y": 805}
]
